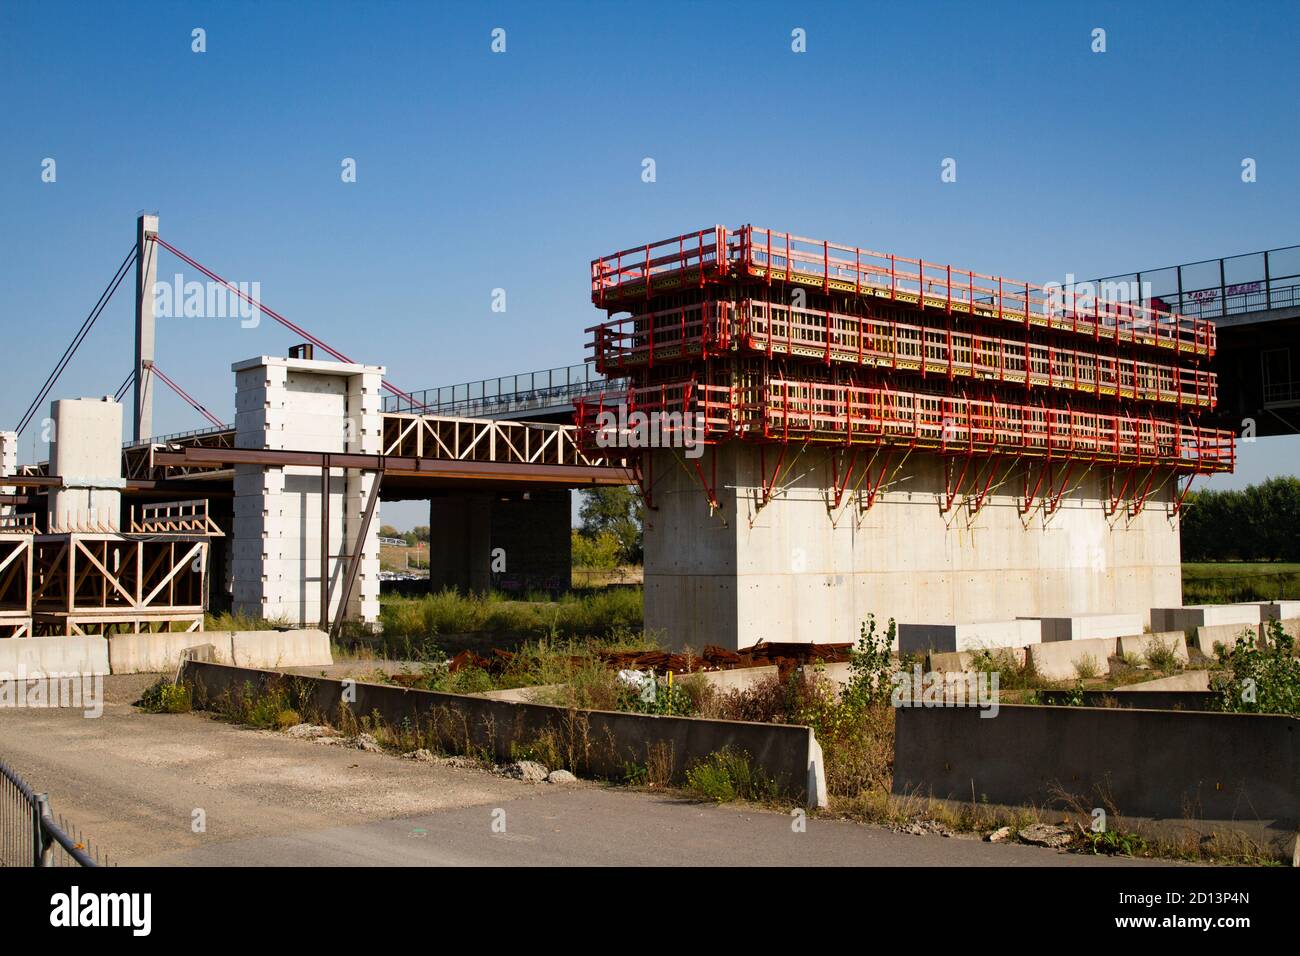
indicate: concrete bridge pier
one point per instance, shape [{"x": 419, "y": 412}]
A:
[
  {"x": 513, "y": 541},
  {"x": 797, "y": 569}
]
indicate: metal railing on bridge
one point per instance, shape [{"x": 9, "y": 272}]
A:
[
  {"x": 29, "y": 833},
  {"x": 508, "y": 393},
  {"x": 1217, "y": 288}
]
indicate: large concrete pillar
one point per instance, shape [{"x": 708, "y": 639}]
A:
[
  {"x": 86, "y": 452},
  {"x": 794, "y": 569},
  {"x": 460, "y": 542},
  {"x": 146, "y": 274},
  {"x": 515, "y": 542},
  {"x": 303, "y": 405}
]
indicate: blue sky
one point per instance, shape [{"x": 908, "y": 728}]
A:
[{"x": 478, "y": 170}]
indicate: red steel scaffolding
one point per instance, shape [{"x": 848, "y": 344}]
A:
[{"x": 776, "y": 338}]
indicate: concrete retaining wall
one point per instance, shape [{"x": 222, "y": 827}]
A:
[
  {"x": 53, "y": 655},
  {"x": 1239, "y": 772},
  {"x": 601, "y": 743}
]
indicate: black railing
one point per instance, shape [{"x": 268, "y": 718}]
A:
[
  {"x": 29, "y": 833},
  {"x": 1217, "y": 288},
  {"x": 549, "y": 387}
]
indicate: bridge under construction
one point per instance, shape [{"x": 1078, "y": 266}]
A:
[{"x": 838, "y": 432}]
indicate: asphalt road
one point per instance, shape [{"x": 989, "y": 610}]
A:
[{"x": 136, "y": 783}]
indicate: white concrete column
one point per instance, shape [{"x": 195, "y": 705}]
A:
[
  {"x": 302, "y": 405},
  {"x": 86, "y": 452}
]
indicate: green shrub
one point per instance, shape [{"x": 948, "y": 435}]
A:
[
  {"x": 727, "y": 775},
  {"x": 1260, "y": 678},
  {"x": 598, "y": 553},
  {"x": 1161, "y": 657},
  {"x": 166, "y": 697}
]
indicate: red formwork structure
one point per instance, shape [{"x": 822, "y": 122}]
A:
[{"x": 779, "y": 339}]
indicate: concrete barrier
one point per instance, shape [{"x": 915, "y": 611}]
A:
[
  {"x": 951, "y": 662},
  {"x": 1087, "y": 626},
  {"x": 929, "y": 638},
  {"x": 34, "y": 656},
  {"x": 738, "y": 679},
  {"x": 1138, "y": 646},
  {"x": 600, "y": 743},
  {"x": 1206, "y": 638},
  {"x": 1197, "y": 681},
  {"x": 1061, "y": 660},
  {"x": 1189, "y": 618},
  {"x": 160, "y": 653},
  {"x": 307, "y": 647},
  {"x": 1173, "y": 770}
]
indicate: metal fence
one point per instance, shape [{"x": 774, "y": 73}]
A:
[
  {"x": 552, "y": 386},
  {"x": 30, "y": 835},
  {"x": 1215, "y": 288}
]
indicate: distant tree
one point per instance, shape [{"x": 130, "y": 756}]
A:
[
  {"x": 387, "y": 531},
  {"x": 1257, "y": 523},
  {"x": 421, "y": 532},
  {"x": 617, "y": 511}
]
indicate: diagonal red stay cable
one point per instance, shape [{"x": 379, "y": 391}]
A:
[
  {"x": 186, "y": 396},
  {"x": 297, "y": 329}
]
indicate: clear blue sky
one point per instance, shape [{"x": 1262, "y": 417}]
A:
[{"x": 477, "y": 171}]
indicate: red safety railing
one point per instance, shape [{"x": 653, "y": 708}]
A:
[
  {"x": 662, "y": 265},
  {"x": 712, "y": 328},
  {"x": 841, "y": 413},
  {"x": 777, "y": 255},
  {"x": 715, "y": 252},
  {"x": 825, "y": 412}
]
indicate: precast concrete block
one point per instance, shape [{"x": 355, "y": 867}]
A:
[
  {"x": 985, "y": 635},
  {"x": 1141, "y": 645},
  {"x": 49, "y": 656},
  {"x": 1085, "y": 626},
  {"x": 1067, "y": 660}
]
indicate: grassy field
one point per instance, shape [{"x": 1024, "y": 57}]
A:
[
  {"x": 1229, "y": 582},
  {"x": 440, "y": 620}
]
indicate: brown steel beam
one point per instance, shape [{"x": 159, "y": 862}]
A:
[
  {"x": 406, "y": 466},
  {"x": 354, "y": 561}
]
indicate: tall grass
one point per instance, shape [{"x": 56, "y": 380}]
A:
[
  {"x": 420, "y": 620},
  {"x": 1238, "y": 582}
]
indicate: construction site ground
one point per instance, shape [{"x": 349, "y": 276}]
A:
[{"x": 134, "y": 783}]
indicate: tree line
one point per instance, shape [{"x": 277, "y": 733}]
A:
[{"x": 1257, "y": 523}]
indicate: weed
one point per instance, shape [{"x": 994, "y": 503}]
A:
[
  {"x": 165, "y": 697},
  {"x": 727, "y": 775}
]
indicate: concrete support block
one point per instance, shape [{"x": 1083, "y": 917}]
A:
[
  {"x": 302, "y": 648},
  {"x": 160, "y": 653},
  {"x": 1140, "y": 645},
  {"x": 1085, "y": 626},
  {"x": 35, "y": 656},
  {"x": 86, "y": 452},
  {"x": 1280, "y": 610},
  {"x": 1190, "y": 617},
  {"x": 1207, "y": 638},
  {"x": 927, "y": 638},
  {"x": 957, "y": 661},
  {"x": 1062, "y": 660}
]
